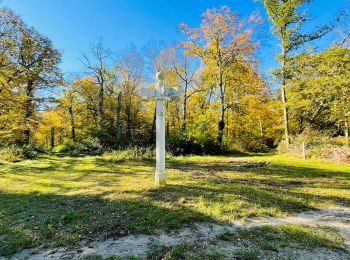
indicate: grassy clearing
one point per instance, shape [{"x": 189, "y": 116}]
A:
[{"x": 58, "y": 200}]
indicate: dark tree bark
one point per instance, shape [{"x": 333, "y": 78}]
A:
[
  {"x": 28, "y": 111},
  {"x": 118, "y": 127},
  {"x": 153, "y": 126},
  {"x": 52, "y": 137},
  {"x": 221, "y": 124},
  {"x": 72, "y": 123},
  {"x": 184, "y": 116}
]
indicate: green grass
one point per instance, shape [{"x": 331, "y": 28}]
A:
[{"x": 58, "y": 200}]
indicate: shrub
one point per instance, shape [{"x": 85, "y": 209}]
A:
[
  {"x": 19, "y": 153},
  {"x": 335, "y": 154},
  {"x": 317, "y": 145},
  {"x": 9, "y": 154},
  {"x": 182, "y": 144},
  {"x": 253, "y": 144},
  {"x": 30, "y": 151},
  {"x": 65, "y": 147},
  {"x": 90, "y": 146},
  {"x": 131, "y": 153}
]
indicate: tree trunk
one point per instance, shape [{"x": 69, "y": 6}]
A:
[
  {"x": 118, "y": 127},
  {"x": 300, "y": 123},
  {"x": 47, "y": 140},
  {"x": 128, "y": 121},
  {"x": 346, "y": 132},
  {"x": 185, "y": 108},
  {"x": 52, "y": 137},
  {"x": 261, "y": 128},
  {"x": 28, "y": 111},
  {"x": 72, "y": 124},
  {"x": 60, "y": 136},
  {"x": 285, "y": 116},
  {"x": 284, "y": 100},
  {"x": 100, "y": 107},
  {"x": 221, "y": 125},
  {"x": 153, "y": 126},
  {"x": 166, "y": 118}
]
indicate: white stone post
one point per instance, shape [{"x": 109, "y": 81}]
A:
[
  {"x": 162, "y": 94},
  {"x": 160, "y": 177},
  {"x": 303, "y": 151}
]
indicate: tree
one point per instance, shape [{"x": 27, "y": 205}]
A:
[
  {"x": 321, "y": 88},
  {"x": 97, "y": 68},
  {"x": 68, "y": 102},
  {"x": 222, "y": 42},
  {"x": 186, "y": 71},
  {"x": 287, "y": 19},
  {"x": 131, "y": 65},
  {"x": 33, "y": 66}
]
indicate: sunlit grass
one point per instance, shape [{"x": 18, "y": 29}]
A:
[{"x": 61, "y": 200}]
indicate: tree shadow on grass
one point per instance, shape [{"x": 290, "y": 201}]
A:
[
  {"x": 33, "y": 219},
  {"x": 273, "y": 170}
]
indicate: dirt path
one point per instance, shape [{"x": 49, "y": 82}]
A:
[
  {"x": 337, "y": 217},
  {"x": 138, "y": 245}
]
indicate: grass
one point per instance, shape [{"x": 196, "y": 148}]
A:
[{"x": 58, "y": 200}]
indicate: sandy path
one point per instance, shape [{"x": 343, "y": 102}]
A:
[{"x": 138, "y": 245}]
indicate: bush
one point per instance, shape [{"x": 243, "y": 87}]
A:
[
  {"x": 9, "y": 154},
  {"x": 90, "y": 146},
  {"x": 182, "y": 144},
  {"x": 65, "y": 147},
  {"x": 335, "y": 154},
  {"x": 317, "y": 145},
  {"x": 253, "y": 144},
  {"x": 19, "y": 153},
  {"x": 132, "y": 153}
]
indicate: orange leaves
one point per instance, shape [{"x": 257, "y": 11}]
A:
[{"x": 220, "y": 31}]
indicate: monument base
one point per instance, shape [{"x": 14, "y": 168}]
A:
[{"x": 160, "y": 178}]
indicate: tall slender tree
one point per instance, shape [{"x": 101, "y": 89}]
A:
[
  {"x": 287, "y": 20},
  {"x": 223, "y": 43}
]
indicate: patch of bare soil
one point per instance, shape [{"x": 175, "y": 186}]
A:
[
  {"x": 206, "y": 235},
  {"x": 336, "y": 217}
]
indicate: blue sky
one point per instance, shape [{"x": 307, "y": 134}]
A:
[{"x": 73, "y": 25}]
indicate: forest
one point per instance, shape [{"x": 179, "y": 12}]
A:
[{"x": 226, "y": 103}]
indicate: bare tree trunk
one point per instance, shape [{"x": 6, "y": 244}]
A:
[
  {"x": 100, "y": 106},
  {"x": 47, "y": 141},
  {"x": 52, "y": 137},
  {"x": 28, "y": 111},
  {"x": 60, "y": 136},
  {"x": 261, "y": 128},
  {"x": 166, "y": 119},
  {"x": 128, "y": 120},
  {"x": 346, "y": 132},
  {"x": 118, "y": 127},
  {"x": 185, "y": 107},
  {"x": 221, "y": 125},
  {"x": 227, "y": 131},
  {"x": 153, "y": 126},
  {"x": 285, "y": 116},
  {"x": 284, "y": 100},
  {"x": 72, "y": 124},
  {"x": 300, "y": 123}
]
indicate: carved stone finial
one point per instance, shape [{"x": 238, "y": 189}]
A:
[{"x": 160, "y": 76}]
